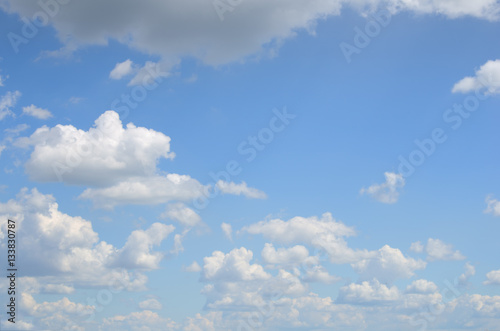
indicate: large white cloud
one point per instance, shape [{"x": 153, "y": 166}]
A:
[
  {"x": 105, "y": 154},
  {"x": 198, "y": 29},
  {"x": 388, "y": 264},
  {"x": 66, "y": 250},
  {"x": 284, "y": 257}
]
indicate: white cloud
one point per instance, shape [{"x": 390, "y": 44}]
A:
[
  {"x": 139, "y": 321},
  {"x": 232, "y": 266},
  {"x": 105, "y": 154},
  {"x": 121, "y": 163},
  {"x": 2, "y": 147},
  {"x": 417, "y": 247},
  {"x": 137, "y": 250},
  {"x": 182, "y": 214},
  {"x": 470, "y": 271},
  {"x": 486, "y": 78},
  {"x": 320, "y": 275},
  {"x": 150, "y": 304},
  {"x": 493, "y": 278},
  {"x": 421, "y": 286},
  {"x": 287, "y": 256},
  {"x": 239, "y": 189},
  {"x": 193, "y": 267},
  {"x": 323, "y": 233},
  {"x": 387, "y": 192},
  {"x": 388, "y": 264},
  {"x": 368, "y": 292},
  {"x": 7, "y": 101},
  {"x": 145, "y": 191},
  {"x": 437, "y": 250},
  {"x": 121, "y": 69},
  {"x": 228, "y": 230},
  {"x": 493, "y": 206},
  {"x": 37, "y": 112},
  {"x": 152, "y": 73},
  {"x": 66, "y": 250},
  {"x": 57, "y": 315}
]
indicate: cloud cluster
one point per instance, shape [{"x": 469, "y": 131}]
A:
[
  {"x": 119, "y": 163},
  {"x": 66, "y": 250}
]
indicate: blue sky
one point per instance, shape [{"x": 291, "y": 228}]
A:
[{"x": 228, "y": 166}]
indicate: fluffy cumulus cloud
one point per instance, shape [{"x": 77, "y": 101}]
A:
[
  {"x": 387, "y": 192},
  {"x": 492, "y": 278},
  {"x": 239, "y": 189},
  {"x": 137, "y": 252},
  {"x": 232, "y": 266},
  {"x": 492, "y": 206},
  {"x": 325, "y": 234},
  {"x": 437, "y": 250},
  {"x": 487, "y": 78},
  {"x": 66, "y": 250},
  {"x": 368, "y": 292},
  {"x": 105, "y": 154},
  {"x": 287, "y": 256},
  {"x": 120, "y": 164},
  {"x": 37, "y": 112},
  {"x": 388, "y": 264},
  {"x": 7, "y": 101},
  {"x": 421, "y": 286},
  {"x": 216, "y": 32},
  {"x": 182, "y": 214},
  {"x": 145, "y": 191}
]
